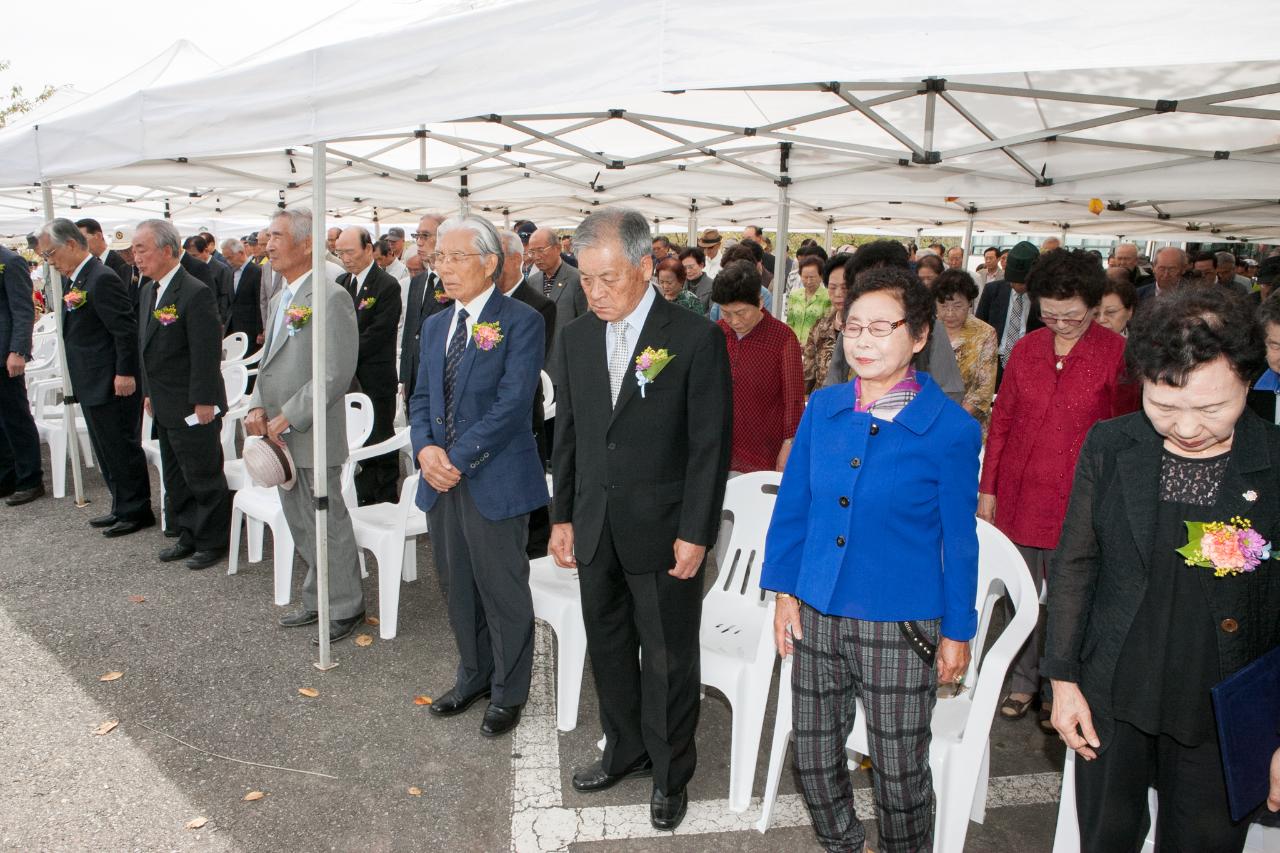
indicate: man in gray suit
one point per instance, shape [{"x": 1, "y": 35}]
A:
[
  {"x": 557, "y": 281},
  {"x": 281, "y": 410}
]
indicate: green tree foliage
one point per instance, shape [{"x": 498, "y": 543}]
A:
[{"x": 17, "y": 101}]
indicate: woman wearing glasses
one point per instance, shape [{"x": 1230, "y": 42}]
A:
[
  {"x": 877, "y": 497},
  {"x": 1059, "y": 381},
  {"x": 973, "y": 341}
]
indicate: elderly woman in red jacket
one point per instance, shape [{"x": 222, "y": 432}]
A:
[{"x": 1059, "y": 381}]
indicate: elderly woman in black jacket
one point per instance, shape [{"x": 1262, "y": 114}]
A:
[{"x": 1138, "y": 633}]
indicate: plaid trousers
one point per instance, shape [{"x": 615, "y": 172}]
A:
[{"x": 842, "y": 659}]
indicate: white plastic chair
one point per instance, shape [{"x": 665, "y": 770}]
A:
[
  {"x": 257, "y": 507},
  {"x": 47, "y": 323},
  {"x": 557, "y": 601},
  {"x": 234, "y": 346},
  {"x": 548, "y": 397},
  {"x": 959, "y": 755},
  {"x": 48, "y": 414},
  {"x": 1066, "y": 837},
  {"x": 391, "y": 532},
  {"x": 737, "y": 626}
]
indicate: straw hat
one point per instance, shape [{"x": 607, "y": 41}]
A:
[
  {"x": 709, "y": 238},
  {"x": 267, "y": 463}
]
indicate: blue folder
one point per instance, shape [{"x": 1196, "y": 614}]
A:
[{"x": 1247, "y": 706}]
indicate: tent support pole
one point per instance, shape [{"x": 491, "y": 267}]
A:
[
  {"x": 68, "y": 393},
  {"x": 506, "y": 218},
  {"x": 464, "y": 204},
  {"x": 968, "y": 235},
  {"x": 826, "y": 240},
  {"x": 693, "y": 223},
  {"x": 320, "y": 401},
  {"x": 784, "y": 223}
]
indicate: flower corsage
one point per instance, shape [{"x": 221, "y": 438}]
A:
[
  {"x": 74, "y": 298},
  {"x": 168, "y": 315},
  {"x": 487, "y": 335},
  {"x": 441, "y": 297},
  {"x": 367, "y": 302},
  {"x": 1227, "y": 548},
  {"x": 649, "y": 364},
  {"x": 297, "y": 316}
]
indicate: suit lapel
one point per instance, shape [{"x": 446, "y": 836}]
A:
[
  {"x": 492, "y": 309},
  {"x": 1140, "y": 479},
  {"x": 302, "y": 297},
  {"x": 654, "y": 334}
]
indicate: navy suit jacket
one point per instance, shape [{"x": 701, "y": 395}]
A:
[
  {"x": 494, "y": 447},
  {"x": 17, "y": 310}
]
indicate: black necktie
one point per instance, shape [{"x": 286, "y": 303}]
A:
[
  {"x": 547, "y": 283},
  {"x": 428, "y": 292},
  {"x": 453, "y": 358}
]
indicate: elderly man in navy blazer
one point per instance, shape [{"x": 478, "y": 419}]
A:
[
  {"x": 21, "y": 477},
  {"x": 470, "y": 420}
]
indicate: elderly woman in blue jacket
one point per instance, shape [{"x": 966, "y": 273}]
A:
[{"x": 879, "y": 494}]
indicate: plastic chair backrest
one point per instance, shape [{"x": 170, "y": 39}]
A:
[
  {"x": 46, "y": 323},
  {"x": 748, "y": 500},
  {"x": 359, "y": 419},
  {"x": 235, "y": 380},
  {"x": 234, "y": 346},
  {"x": 548, "y": 390}
]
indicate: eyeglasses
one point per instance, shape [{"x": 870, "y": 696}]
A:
[
  {"x": 49, "y": 254},
  {"x": 877, "y": 328},
  {"x": 422, "y": 235},
  {"x": 451, "y": 257},
  {"x": 1064, "y": 322},
  {"x": 532, "y": 251}
]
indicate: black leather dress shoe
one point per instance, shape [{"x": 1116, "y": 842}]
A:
[
  {"x": 666, "y": 811},
  {"x": 594, "y": 778},
  {"x": 5, "y": 491},
  {"x": 133, "y": 525},
  {"x": 499, "y": 720},
  {"x": 453, "y": 703},
  {"x": 172, "y": 533},
  {"x": 298, "y": 618},
  {"x": 340, "y": 629},
  {"x": 176, "y": 552},
  {"x": 205, "y": 559},
  {"x": 25, "y": 496},
  {"x": 103, "y": 520}
]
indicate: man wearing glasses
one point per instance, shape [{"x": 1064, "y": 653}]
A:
[
  {"x": 423, "y": 297},
  {"x": 557, "y": 281}
]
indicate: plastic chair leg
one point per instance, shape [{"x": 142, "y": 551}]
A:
[
  {"x": 748, "y": 720},
  {"x": 388, "y": 589},
  {"x": 233, "y": 552},
  {"x": 978, "y": 810},
  {"x": 571, "y": 657},
  {"x": 255, "y": 539},
  {"x": 282, "y": 556},
  {"x": 1066, "y": 837},
  {"x": 772, "y": 779},
  {"x": 58, "y": 462},
  {"x": 409, "y": 566}
]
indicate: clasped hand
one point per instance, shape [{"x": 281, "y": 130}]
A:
[{"x": 437, "y": 470}]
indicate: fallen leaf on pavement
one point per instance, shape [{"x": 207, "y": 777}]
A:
[
  {"x": 106, "y": 727},
  {"x": 136, "y": 599},
  {"x": 309, "y": 692},
  {"x": 422, "y": 700},
  {"x": 253, "y": 795},
  {"x": 111, "y": 676},
  {"x": 363, "y": 640},
  {"x": 415, "y": 792},
  {"x": 197, "y": 822},
  {"x": 371, "y": 620}
]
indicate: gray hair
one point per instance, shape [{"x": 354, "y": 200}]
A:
[
  {"x": 511, "y": 242},
  {"x": 299, "y": 223},
  {"x": 625, "y": 225},
  {"x": 62, "y": 231},
  {"x": 165, "y": 234},
  {"x": 484, "y": 238},
  {"x": 232, "y": 246},
  {"x": 1223, "y": 259},
  {"x": 1182, "y": 256}
]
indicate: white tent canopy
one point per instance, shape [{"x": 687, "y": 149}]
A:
[{"x": 640, "y": 104}]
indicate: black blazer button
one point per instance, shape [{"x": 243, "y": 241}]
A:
[
  {"x": 1230, "y": 625},
  {"x": 844, "y": 501},
  {"x": 613, "y": 446},
  {"x": 855, "y": 462},
  {"x": 840, "y": 541},
  {"x": 875, "y": 428}
]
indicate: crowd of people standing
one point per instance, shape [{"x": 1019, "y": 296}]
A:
[{"x": 1083, "y": 406}]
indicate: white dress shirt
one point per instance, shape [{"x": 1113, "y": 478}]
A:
[
  {"x": 163, "y": 283},
  {"x": 474, "y": 307}
]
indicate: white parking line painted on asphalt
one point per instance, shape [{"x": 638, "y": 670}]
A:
[{"x": 541, "y": 823}]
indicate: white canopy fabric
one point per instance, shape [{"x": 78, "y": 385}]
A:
[{"x": 1012, "y": 114}]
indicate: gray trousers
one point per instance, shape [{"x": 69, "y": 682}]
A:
[
  {"x": 346, "y": 597},
  {"x": 484, "y": 571},
  {"x": 1025, "y": 673}
]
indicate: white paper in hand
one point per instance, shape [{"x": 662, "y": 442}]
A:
[{"x": 192, "y": 420}]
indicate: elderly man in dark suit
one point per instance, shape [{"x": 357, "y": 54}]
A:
[
  {"x": 21, "y": 477},
  {"x": 246, "y": 279},
  {"x": 181, "y": 349},
  {"x": 92, "y": 231},
  {"x": 1006, "y": 306},
  {"x": 558, "y": 281},
  {"x": 639, "y": 482},
  {"x": 469, "y": 417},
  {"x": 426, "y": 297},
  {"x": 196, "y": 260},
  {"x": 376, "y": 296},
  {"x": 100, "y": 333},
  {"x": 515, "y": 285}
]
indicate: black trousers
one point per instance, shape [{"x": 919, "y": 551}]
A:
[
  {"x": 19, "y": 441},
  {"x": 197, "y": 501},
  {"x": 1193, "y": 816},
  {"x": 485, "y": 575},
  {"x": 115, "y": 429},
  {"x": 376, "y": 479},
  {"x": 642, "y": 636}
]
